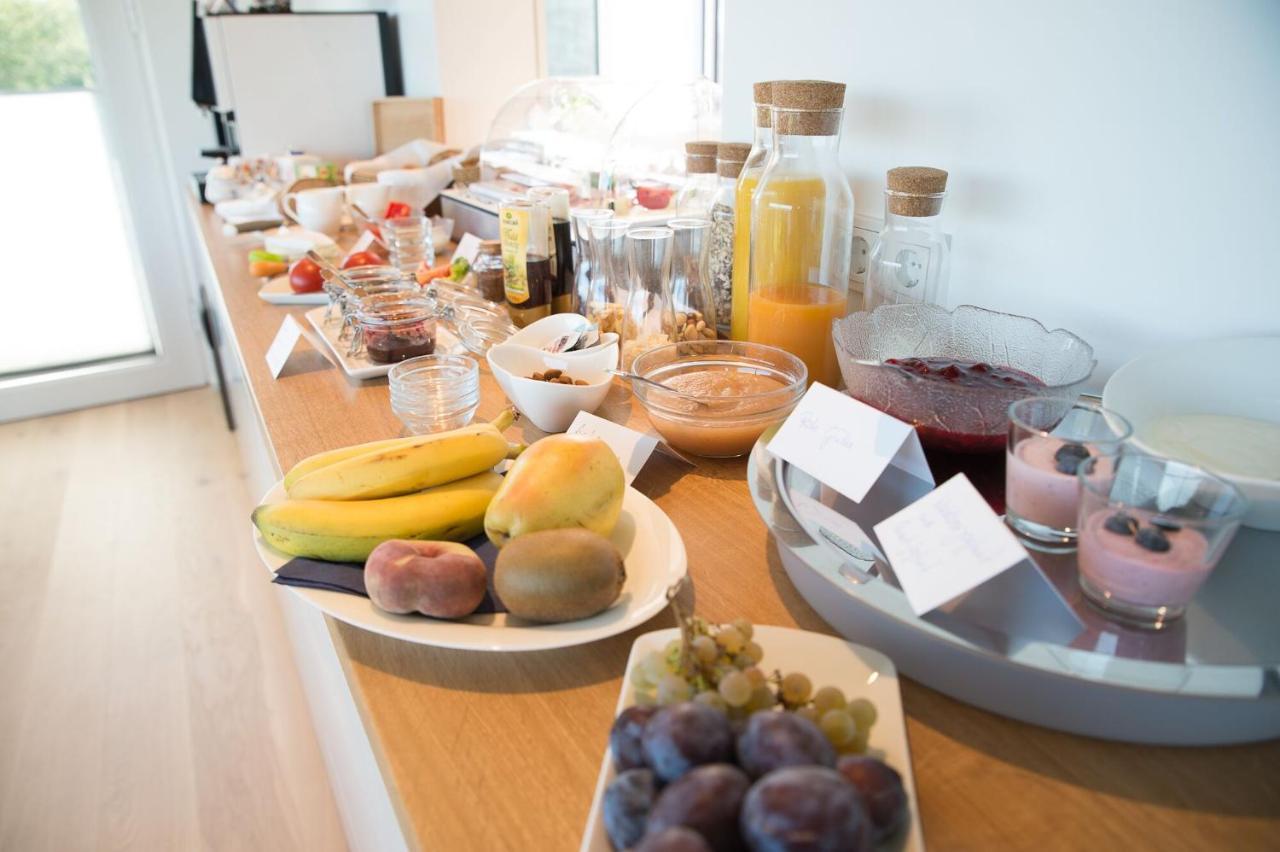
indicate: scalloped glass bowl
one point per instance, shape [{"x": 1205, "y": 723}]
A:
[{"x": 954, "y": 417}]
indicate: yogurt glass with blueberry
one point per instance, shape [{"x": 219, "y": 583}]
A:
[
  {"x": 1049, "y": 438},
  {"x": 1151, "y": 531}
]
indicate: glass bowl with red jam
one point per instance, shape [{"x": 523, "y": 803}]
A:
[
  {"x": 954, "y": 374},
  {"x": 390, "y": 332}
]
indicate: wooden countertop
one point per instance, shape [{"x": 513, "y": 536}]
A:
[{"x": 501, "y": 751}]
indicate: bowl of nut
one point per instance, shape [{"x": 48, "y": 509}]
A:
[{"x": 550, "y": 389}]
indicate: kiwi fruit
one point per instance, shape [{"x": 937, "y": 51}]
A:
[{"x": 558, "y": 575}]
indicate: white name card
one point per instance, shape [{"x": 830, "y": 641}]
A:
[
  {"x": 847, "y": 444},
  {"x": 282, "y": 347},
  {"x": 947, "y": 543},
  {"x": 468, "y": 247}
]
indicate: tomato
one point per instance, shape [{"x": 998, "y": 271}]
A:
[
  {"x": 305, "y": 277},
  {"x": 397, "y": 210},
  {"x": 362, "y": 258}
]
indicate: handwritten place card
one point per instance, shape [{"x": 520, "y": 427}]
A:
[
  {"x": 947, "y": 543},
  {"x": 468, "y": 247},
  {"x": 631, "y": 447},
  {"x": 847, "y": 444}
]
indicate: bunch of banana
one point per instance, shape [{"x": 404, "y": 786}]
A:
[{"x": 344, "y": 503}]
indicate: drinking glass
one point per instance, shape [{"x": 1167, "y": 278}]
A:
[
  {"x": 649, "y": 320},
  {"x": 408, "y": 238}
]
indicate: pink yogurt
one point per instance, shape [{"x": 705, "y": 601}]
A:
[
  {"x": 1117, "y": 564},
  {"x": 1035, "y": 489}
]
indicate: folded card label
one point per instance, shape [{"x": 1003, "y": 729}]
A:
[
  {"x": 631, "y": 447},
  {"x": 468, "y": 248},
  {"x": 847, "y": 444},
  {"x": 280, "y": 349},
  {"x": 946, "y": 543}
]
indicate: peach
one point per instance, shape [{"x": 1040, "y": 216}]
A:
[{"x": 442, "y": 579}]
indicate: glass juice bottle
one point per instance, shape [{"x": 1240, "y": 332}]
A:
[
  {"x": 802, "y": 229},
  {"x": 526, "y": 263},
  {"x": 909, "y": 258},
  {"x": 560, "y": 241},
  {"x": 695, "y": 197},
  {"x": 748, "y": 176},
  {"x": 729, "y": 159}
]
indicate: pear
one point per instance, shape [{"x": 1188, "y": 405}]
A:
[{"x": 560, "y": 482}]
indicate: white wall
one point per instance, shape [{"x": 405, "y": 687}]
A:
[{"x": 1115, "y": 166}]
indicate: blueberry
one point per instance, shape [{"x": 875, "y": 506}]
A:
[
  {"x": 1152, "y": 539},
  {"x": 1165, "y": 524},
  {"x": 1068, "y": 457},
  {"x": 1121, "y": 524}
]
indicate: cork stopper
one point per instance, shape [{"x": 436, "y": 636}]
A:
[
  {"x": 700, "y": 157},
  {"x": 702, "y": 148},
  {"x": 916, "y": 190},
  {"x": 763, "y": 95},
  {"x": 729, "y": 158},
  {"x": 808, "y": 107}
]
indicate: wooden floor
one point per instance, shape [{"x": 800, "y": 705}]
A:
[{"x": 148, "y": 699}]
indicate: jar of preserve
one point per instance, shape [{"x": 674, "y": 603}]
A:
[
  {"x": 390, "y": 332},
  {"x": 488, "y": 270}
]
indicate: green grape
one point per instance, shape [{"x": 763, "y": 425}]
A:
[
  {"x": 838, "y": 726},
  {"x": 863, "y": 712},
  {"x": 645, "y": 698},
  {"x": 705, "y": 649},
  {"x": 712, "y": 699},
  {"x": 730, "y": 638},
  {"x": 753, "y": 652},
  {"x": 828, "y": 698},
  {"x": 859, "y": 743},
  {"x": 744, "y": 627},
  {"x": 640, "y": 676},
  {"x": 796, "y": 688},
  {"x": 735, "y": 689},
  {"x": 673, "y": 689},
  {"x": 808, "y": 712},
  {"x": 654, "y": 667},
  {"x": 762, "y": 698},
  {"x": 756, "y": 677}
]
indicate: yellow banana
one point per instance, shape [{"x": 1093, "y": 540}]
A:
[
  {"x": 403, "y": 466},
  {"x": 328, "y": 457},
  {"x": 348, "y": 530}
]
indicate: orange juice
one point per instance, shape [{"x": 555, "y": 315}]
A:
[{"x": 798, "y": 319}]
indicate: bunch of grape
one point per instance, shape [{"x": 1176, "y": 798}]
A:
[{"x": 719, "y": 665}]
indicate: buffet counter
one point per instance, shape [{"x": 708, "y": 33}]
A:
[{"x": 438, "y": 749}]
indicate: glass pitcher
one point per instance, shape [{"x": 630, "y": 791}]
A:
[
  {"x": 748, "y": 177},
  {"x": 607, "y": 295},
  {"x": 802, "y": 229},
  {"x": 582, "y": 271},
  {"x": 649, "y": 320},
  {"x": 910, "y": 257},
  {"x": 692, "y": 301}
]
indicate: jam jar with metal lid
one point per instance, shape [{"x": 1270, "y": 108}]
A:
[{"x": 394, "y": 331}]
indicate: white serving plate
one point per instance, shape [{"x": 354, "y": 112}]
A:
[
  {"x": 278, "y": 292},
  {"x": 858, "y": 671},
  {"x": 652, "y": 551},
  {"x": 1234, "y": 377},
  {"x": 360, "y": 367}
]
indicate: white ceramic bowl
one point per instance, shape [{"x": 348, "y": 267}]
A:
[
  {"x": 549, "y": 405},
  {"x": 1234, "y": 378},
  {"x": 538, "y": 334}
]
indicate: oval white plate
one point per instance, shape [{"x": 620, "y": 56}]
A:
[
  {"x": 651, "y": 548},
  {"x": 278, "y": 292},
  {"x": 1233, "y": 377},
  {"x": 858, "y": 671}
]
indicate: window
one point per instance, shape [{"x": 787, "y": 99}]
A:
[{"x": 629, "y": 40}]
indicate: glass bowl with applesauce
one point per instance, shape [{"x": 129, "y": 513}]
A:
[{"x": 728, "y": 393}]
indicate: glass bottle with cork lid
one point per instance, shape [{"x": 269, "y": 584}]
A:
[
  {"x": 695, "y": 197},
  {"x": 910, "y": 258},
  {"x": 524, "y": 229},
  {"x": 730, "y": 157},
  {"x": 748, "y": 177},
  {"x": 488, "y": 270},
  {"x": 802, "y": 229}
]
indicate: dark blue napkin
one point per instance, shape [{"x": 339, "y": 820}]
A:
[{"x": 348, "y": 577}]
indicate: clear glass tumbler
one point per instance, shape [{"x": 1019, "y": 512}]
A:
[
  {"x": 1048, "y": 439},
  {"x": 1151, "y": 532},
  {"x": 408, "y": 238},
  {"x": 649, "y": 320},
  {"x": 435, "y": 393}
]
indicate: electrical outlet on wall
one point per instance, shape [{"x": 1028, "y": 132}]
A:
[{"x": 865, "y": 230}]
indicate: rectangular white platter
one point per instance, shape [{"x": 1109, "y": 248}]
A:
[
  {"x": 858, "y": 671},
  {"x": 360, "y": 367},
  {"x": 278, "y": 292}
]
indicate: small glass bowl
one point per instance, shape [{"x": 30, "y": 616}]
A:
[
  {"x": 394, "y": 331},
  {"x": 435, "y": 393},
  {"x": 1151, "y": 531},
  {"x": 1048, "y": 439},
  {"x": 729, "y": 423}
]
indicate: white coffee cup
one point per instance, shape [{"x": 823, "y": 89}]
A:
[
  {"x": 407, "y": 186},
  {"x": 369, "y": 198},
  {"x": 318, "y": 209}
]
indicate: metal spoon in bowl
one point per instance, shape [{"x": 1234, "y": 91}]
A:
[{"x": 623, "y": 374}]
